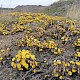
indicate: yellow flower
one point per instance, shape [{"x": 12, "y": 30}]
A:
[
  {"x": 19, "y": 66},
  {"x": 33, "y": 57},
  {"x": 55, "y": 63},
  {"x": 36, "y": 63},
  {"x": 8, "y": 48},
  {"x": 45, "y": 61},
  {"x": 56, "y": 48},
  {"x": 23, "y": 56},
  {"x": 78, "y": 63},
  {"x": 56, "y": 74},
  {"x": 61, "y": 77},
  {"x": 68, "y": 64},
  {"x": 32, "y": 64},
  {"x": 24, "y": 53},
  {"x": 34, "y": 70},
  {"x": 18, "y": 59},
  {"x": 78, "y": 44},
  {"x": 55, "y": 52},
  {"x": 40, "y": 49},
  {"x": 65, "y": 64},
  {"x": 2, "y": 50},
  {"x": 67, "y": 70},
  {"x": 66, "y": 39},
  {"x": 13, "y": 65},
  {"x": 69, "y": 73},
  {"x": 58, "y": 62},
  {"x": 45, "y": 76},
  {"x": 18, "y": 55},
  {"x": 59, "y": 51},
  {"x": 72, "y": 62},
  {"x": 74, "y": 70},
  {"x": 63, "y": 38},
  {"x": 79, "y": 40},
  {"x": 1, "y": 59},
  {"x": 27, "y": 56},
  {"x": 49, "y": 46},
  {"x": 13, "y": 59},
  {"x": 75, "y": 43},
  {"x": 75, "y": 55},
  {"x": 78, "y": 54},
  {"x": 24, "y": 64}
]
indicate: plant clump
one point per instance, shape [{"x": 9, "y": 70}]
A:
[{"x": 24, "y": 60}]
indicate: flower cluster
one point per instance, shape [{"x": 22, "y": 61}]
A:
[
  {"x": 20, "y": 22},
  {"x": 30, "y": 41},
  {"x": 65, "y": 39},
  {"x": 77, "y": 55},
  {"x": 24, "y": 60},
  {"x": 4, "y": 53},
  {"x": 77, "y": 44},
  {"x": 64, "y": 68}
]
